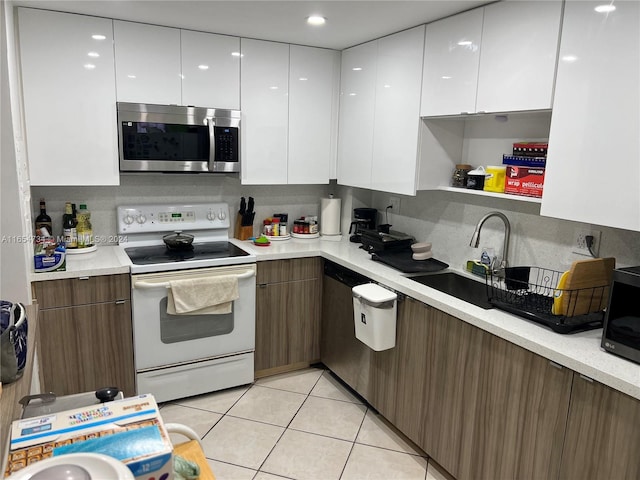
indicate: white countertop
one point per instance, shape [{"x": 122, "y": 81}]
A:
[{"x": 580, "y": 352}]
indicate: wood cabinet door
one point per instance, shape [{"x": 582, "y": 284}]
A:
[
  {"x": 288, "y": 301},
  {"x": 519, "y": 418},
  {"x": 340, "y": 350},
  {"x": 399, "y": 375},
  {"x": 87, "y": 347},
  {"x": 603, "y": 434}
]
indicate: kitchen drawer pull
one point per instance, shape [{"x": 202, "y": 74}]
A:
[
  {"x": 555, "y": 365},
  {"x": 590, "y": 380},
  {"x": 142, "y": 285},
  {"x": 120, "y": 302},
  {"x": 83, "y": 278}
]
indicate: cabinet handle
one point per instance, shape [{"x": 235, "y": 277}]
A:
[
  {"x": 120, "y": 302},
  {"x": 83, "y": 278},
  {"x": 262, "y": 285},
  {"x": 555, "y": 365},
  {"x": 590, "y": 380}
]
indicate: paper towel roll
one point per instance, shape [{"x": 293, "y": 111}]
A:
[{"x": 330, "y": 216}]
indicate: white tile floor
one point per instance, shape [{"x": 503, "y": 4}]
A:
[{"x": 302, "y": 425}]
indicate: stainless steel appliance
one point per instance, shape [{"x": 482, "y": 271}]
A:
[
  {"x": 183, "y": 355},
  {"x": 621, "y": 333},
  {"x": 363, "y": 219},
  {"x": 172, "y": 138}
]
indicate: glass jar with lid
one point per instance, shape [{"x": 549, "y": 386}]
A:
[{"x": 459, "y": 176}]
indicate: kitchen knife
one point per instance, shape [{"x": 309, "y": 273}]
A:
[{"x": 243, "y": 206}]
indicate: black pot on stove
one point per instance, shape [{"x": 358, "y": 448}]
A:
[{"x": 178, "y": 241}]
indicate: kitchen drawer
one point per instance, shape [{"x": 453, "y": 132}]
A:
[
  {"x": 81, "y": 290},
  {"x": 289, "y": 270}
]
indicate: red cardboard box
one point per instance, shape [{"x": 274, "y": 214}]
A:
[{"x": 526, "y": 181}]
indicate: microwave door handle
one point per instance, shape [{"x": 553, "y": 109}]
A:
[{"x": 212, "y": 143}]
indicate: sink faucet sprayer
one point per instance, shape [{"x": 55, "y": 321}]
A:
[{"x": 475, "y": 239}]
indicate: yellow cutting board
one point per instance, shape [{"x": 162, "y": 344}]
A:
[{"x": 586, "y": 287}]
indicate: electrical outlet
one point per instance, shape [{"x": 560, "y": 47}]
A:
[
  {"x": 395, "y": 204},
  {"x": 580, "y": 243}
]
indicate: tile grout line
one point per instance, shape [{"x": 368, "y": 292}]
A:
[
  {"x": 353, "y": 444},
  {"x": 287, "y": 426}
]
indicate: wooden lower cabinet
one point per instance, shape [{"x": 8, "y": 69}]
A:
[
  {"x": 85, "y": 336},
  {"x": 603, "y": 434},
  {"x": 288, "y": 299}
]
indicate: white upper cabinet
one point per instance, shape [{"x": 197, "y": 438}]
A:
[
  {"x": 357, "y": 107},
  {"x": 147, "y": 63},
  {"x": 313, "y": 100},
  {"x": 499, "y": 58},
  {"x": 594, "y": 154},
  {"x": 210, "y": 70},
  {"x": 518, "y": 56},
  {"x": 397, "y": 112},
  {"x": 264, "y": 92},
  {"x": 451, "y": 60},
  {"x": 69, "y": 98},
  {"x": 379, "y": 113}
]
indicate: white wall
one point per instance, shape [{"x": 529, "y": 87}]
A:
[{"x": 15, "y": 198}]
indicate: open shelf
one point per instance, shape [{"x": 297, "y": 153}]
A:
[{"x": 482, "y": 193}]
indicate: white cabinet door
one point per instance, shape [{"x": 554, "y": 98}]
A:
[
  {"x": 264, "y": 93},
  {"x": 451, "y": 59},
  {"x": 210, "y": 70},
  {"x": 593, "y": 163},
  {"x": 147, "y": 63},
  {"x": 518, "y": 58},
  {"x": 357, "y": 105},
  {"x": 397, "y": 111},
  {"x": 313, "y": 90},
  {"x": 69, "y": 98}
]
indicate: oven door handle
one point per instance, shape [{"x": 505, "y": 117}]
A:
[{"x": 142, "y": 285}]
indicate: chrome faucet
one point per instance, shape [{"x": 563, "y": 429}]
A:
[{"x": 475, "y": 239}]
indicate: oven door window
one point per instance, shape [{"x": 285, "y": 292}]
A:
[
  {"x": 165, "y": 141},
  {"x": 182, "y": 328}
]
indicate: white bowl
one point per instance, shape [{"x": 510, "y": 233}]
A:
[
  {"x": 421, "y": 247},
  {"x": 96, "y": 465},
  {"x": 422, "y": 255}
]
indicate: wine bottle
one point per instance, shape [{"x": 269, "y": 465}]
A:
[
  {"x": 69, "y": 231},
  {"x": 43, "y": 224}
]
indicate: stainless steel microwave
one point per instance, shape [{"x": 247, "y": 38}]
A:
[
  {"x": 621, "y": 333},
  {"x": 172, "y": 138}
]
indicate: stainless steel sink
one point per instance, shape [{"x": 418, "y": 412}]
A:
[{"x": 463, "y": 288}]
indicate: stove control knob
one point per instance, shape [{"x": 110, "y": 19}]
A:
[
  {"x": 211, "y": 216},
  {"x": 141, "y": 219},
  {"x": 222, "y": 215},
  {"x": 128, "y": 219}
]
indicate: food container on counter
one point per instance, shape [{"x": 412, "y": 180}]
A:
[{"x": 476, "y": 178}]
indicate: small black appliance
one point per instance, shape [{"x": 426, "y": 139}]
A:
[{"x": 363, "y": 219}]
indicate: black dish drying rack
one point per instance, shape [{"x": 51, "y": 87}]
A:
[{"x": 530, "y": 292}]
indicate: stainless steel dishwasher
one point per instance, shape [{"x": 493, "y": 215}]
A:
[{"x": 340, "y": 350}]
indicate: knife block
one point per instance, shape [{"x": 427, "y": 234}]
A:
[{"x": 240, "y": 232}]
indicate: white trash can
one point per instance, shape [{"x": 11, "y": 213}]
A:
[{"x": 374, "y": 314}]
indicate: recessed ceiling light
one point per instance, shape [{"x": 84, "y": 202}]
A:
[
  {"x": 569, "y": 58},
  {"x": 303, "y": 79},
  {"x": 98, "y": 37},
  {"x": 236, "y": 54},
  {"x": 89, "y": 66},
  {"x": 605, "y": 8},
  {"x": 316, "y": 20},
  {"x": 131, "y": 76},
  {"x": 445, "y": 77},
  {"x": 274, "y": 88},
  {"x": 464, "y": 43},
  {"x": 203, "y": 67},
  {"x": 356, "y": 69},
  {"x": 93, "y": 54}
]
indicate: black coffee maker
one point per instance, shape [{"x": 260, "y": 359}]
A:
[{"x": 363, "y": 219}]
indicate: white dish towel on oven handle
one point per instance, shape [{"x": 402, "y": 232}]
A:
[{"x": 202, "y": 296}]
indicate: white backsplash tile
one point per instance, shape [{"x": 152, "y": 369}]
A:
[{"x": 446, "y": 219}]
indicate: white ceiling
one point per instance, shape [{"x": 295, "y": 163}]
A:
[{"x": 348, "y": 22}]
